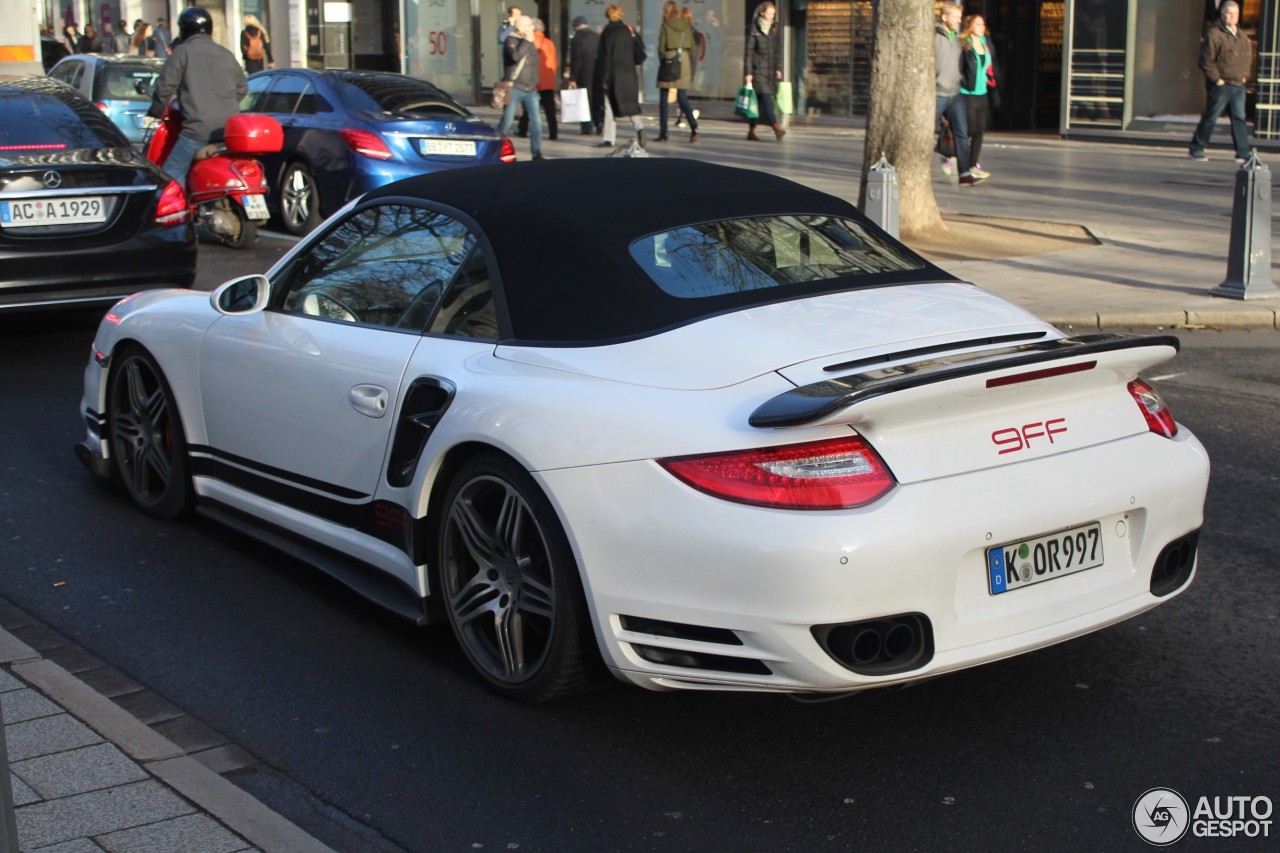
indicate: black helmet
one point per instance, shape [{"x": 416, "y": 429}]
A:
[{"x": 194, "y": 20}]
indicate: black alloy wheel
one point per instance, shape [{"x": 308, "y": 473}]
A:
[
  {"x": 299, "y": 200},
  {"x": 146, "y": 441},
  {"x": 511, "y": 585}
]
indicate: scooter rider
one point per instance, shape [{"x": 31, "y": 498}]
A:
[{"x": 208, "y": 82}]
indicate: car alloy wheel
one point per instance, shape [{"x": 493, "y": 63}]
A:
[
  {"x": 146, "y": 438},
  {"x": 299, "y": 200},
  {"x": 510, "y": 583}
]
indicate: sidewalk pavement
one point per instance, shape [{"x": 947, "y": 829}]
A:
[{"x": 87, "y": 776}]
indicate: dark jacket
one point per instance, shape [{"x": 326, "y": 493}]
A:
[
  {"x": 582, "y": 57},
  {"x": 616, "y": 76},
  {"x": 969, "y": 67},
  {"x": 513, "y": 50},
  {"x": 210, "y": 94},
  {"x": 245, "y": 35},
  {"x": 675, "y": 36},
  {"x": 1224, "y": 56},
  {"x": 762, "y": 59}
]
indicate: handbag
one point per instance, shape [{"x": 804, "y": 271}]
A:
[
  {"x": 783, "y": 100},
  {"x": 747, "y": 104},
  {"x": 669, "y": 69},
  {"x": 502, "y": 89},
  {"x": 574, "y": 105}
]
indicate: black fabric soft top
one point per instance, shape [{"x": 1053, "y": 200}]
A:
[{"x": 560, "y": 233}]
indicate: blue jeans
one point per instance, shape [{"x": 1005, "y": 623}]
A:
[
  {"x": 532, "y": 104},
  {"x": 682, "y": 98},
  {"x": 1218, "y": 98},
  {"x": 957, "y": 113},
  {"x": 178, "y": 163}
]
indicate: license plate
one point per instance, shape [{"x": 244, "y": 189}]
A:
[
  {"x": 68, "y": 210},
  {"x": 453, "y": 147},
  {"x": 255, "y": 206},
  {"x": 1033, "y": 561}
]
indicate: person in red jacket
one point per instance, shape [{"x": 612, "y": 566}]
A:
[{"x": 548, "y": 66}]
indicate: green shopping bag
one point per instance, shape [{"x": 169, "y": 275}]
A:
[
  {"x": 783, "y": 99},
  {"x": 747, "y": 105}
]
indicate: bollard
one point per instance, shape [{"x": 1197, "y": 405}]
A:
[
  {"x": 1249, "y": 255},
  {"x": 882, "y": 196}
]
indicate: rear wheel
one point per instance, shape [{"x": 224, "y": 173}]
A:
[
  {"x": 147, "y": 444},
  {"x": 247, "y": 229},
  {"x": 511, "y": 585},
  {"x": 299, "y": 200}
]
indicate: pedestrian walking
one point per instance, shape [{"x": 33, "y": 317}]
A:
[
  {"x": 122, "y": 39},
  {"x": 163, "y": 36},
  {"x": 71, "y": 38},
  {"x": 580, "y": 73},
  {"x": 508, "y": 27},
  {"x": 762, "y": 67},
  {"x": 142, "y": 38},
  {"x": 1226, "y": 55},
  {"x": 676, "y": 43},
  {"x": 616, "y": 74},
  {"x": 255, "y": 46},
  {"x": 977, "y": 86},
  {"x": 89, "y": 42},
  {"x": 694, "y": 56},
  {"x": 520, "y": 66},
  {"x": 548, "y": 67},
  {"x": 948, "y": 53}
]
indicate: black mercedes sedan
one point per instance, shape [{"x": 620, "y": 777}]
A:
[{"x": 84, "y": 218}]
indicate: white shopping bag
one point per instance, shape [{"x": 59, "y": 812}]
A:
[{"x": 574, "y": 105}]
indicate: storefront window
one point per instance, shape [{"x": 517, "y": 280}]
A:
[
  {"x": 1099, "y": 31},
  {"x": 440, "y": 45}
]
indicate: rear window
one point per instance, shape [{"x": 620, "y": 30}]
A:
[
  {"x": 31, "y": 122},
  {"x": 120, "y": 82},
  {"x": 391, "y": 94},
  {"x": 741, "y": 255}
]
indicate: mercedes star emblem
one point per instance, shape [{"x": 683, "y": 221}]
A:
[{"x": 52, "y": 180}]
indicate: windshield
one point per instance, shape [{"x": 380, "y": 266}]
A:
[
  {"x": 739, "y": 255},
  {"x": 390, "y": 93},
  {"x": 31, "y": 123}
]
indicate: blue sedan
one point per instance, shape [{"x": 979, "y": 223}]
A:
[{"x": 347, "y": 132}]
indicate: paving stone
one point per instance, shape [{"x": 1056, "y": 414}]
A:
[
  {"x": 225, "y": 759},
  {"x": 47, "y": 735},
  {"x": 8, "y": 682},
  {"x": 76, "y": 845},
  {"x": 20, "y": 705},
  {"x": 190, "y": 734},
  {"x": 97, "y": 813},
  {"x": 77, "y": 771},
  {"x": 110, "y": 682},
  {"x": 22, "y": 793},
  {"x": 74, "y": 659},
  {"x": 149, "y": 707},
  {"x": 42, "y": 638},
  {"x": 195, "y": 833},
  {"x": 12, "y": 616}
]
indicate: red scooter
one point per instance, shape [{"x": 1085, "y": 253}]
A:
[{"x": 226, "y": 187}]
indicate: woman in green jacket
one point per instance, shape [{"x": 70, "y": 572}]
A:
[{"x": 676, "y": 40}]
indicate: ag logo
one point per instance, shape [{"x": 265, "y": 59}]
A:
[{"x": 1161, "y": 816}]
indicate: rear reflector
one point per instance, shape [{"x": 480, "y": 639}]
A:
[
  {"x": 1159, "y": 417},
  {"x": 171, "y": 209},
  {"x": 1033, "y": 375},
  {"x": 834, "y": 474}
]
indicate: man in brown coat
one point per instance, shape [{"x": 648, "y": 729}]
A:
[{"x": 1226, "y": 56}]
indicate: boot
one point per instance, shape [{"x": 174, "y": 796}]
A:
[
  {"x": 779, "y": 132},
  {"x": 751, "y": 134},
  {"x": 693, "y": 136}
]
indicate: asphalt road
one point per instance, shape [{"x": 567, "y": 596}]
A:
[{"x": 374, "y": 735}]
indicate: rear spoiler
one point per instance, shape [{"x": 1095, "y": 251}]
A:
[{"x": 811, "y": 403}]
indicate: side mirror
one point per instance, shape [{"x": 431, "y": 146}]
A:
[{"x": 246, "y": 295}]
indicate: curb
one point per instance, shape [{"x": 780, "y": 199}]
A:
[
  {"x": 1188, "y": 319},
  {"x": 157, "y": 755}
]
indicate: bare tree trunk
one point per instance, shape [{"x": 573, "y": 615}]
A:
[{"x": 900, "y": 122}]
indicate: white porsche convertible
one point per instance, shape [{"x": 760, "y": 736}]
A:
[{"x": 725, "y": 434}]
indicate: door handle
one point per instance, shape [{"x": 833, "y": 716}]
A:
[{"x": 369, "y": 400}]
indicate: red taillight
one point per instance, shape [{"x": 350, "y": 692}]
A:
[
  {"x": 508, "y": 154},
  {"x": 249, "y": 172},
  {"x": 365, "y": 144},
  {"x": 171, "y": 209},
  {"x": 102, "y": 105},
  {"x": 1159, "y": 417},
  {"x": 835, "y": 474}
]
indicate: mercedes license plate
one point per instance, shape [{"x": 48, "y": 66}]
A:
[
  {"x": 453, "y": 147},
  {"x": 67, "y": 210},
  {"x": 1032, "y": 561},
  {"x": 255, "y": 206}
]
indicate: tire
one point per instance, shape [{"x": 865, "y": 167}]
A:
[
  {"x": 510, "y": 584},
  {"x": 248, "y": 230},
  {"x": 147, "y": 444},
  {"x": 299, "y": 200}
]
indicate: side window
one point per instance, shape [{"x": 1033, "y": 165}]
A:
[
  {"x": 258, "y": 87},
  {"x": 467, "y": 309},
  {"x": 307, "y": 103},
  {"x": 69, "y": 73},
  {"x": 284, "y": 95},
  {"x": 385, "y": 266}
]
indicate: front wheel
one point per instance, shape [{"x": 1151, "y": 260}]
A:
[
  {"x": 147, "y": 444},
  {"x": 299, "y": 200},
  {"x": 511, "y": 585}
]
